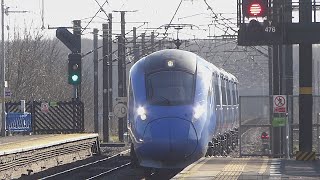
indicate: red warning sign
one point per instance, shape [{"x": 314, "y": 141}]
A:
[
  {"x": 45, "y": 107},
  {"x": 279, "y": 104}
]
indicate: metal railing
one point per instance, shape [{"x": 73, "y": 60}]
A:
[{"x": 255, "y": 117}]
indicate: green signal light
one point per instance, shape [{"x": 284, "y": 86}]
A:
[{"x": 75, "y": 77}]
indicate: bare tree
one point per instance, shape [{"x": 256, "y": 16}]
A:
[{"x": 35, "y": 68}]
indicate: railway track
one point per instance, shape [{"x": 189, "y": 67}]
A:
[
  {"x": 251, "y": 130},
  {"x": 110, "y": 171},
  {"x": 114, "y": 166},
  {"x": 91, "y": 170}
]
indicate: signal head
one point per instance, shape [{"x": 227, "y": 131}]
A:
[
  {"x": 255, "y": 8},
  {"x": 74, "y": 69}
]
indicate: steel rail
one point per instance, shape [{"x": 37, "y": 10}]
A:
[
  {"x": 85, "y": 165},
  {"x": 110, "y": 171}
]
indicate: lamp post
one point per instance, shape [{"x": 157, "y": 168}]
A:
[
  {"x": 4, "y": 11},
  {"x": 3, "y": 124}
]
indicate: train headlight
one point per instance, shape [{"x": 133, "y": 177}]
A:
[
  {"x": 142, "y": 113},
  {"x": 198, "y": 111}
]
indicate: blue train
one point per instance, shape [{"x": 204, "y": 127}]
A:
[{"x": 180, "y": 108}]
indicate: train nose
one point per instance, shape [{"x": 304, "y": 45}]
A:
[{"x": 169, "y": 139}]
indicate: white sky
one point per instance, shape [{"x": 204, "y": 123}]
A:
[{"x": 156, "y": 12}]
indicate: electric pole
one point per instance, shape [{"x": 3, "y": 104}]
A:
[
  {"x": 110, "y": 90},
  {"x": 305, "y": 81},
  {"x": 122, "y": 76},
  {"x": 152, "y": 41},
  {"x": 135, "y": 49},
  {"x": 105, "y": 55},
  {"x": 143, "y": 44},
  {"x": 95, "y": 74},
  {"x": 4, "y": 11},
  {"x": 276, "y": 80},
  {"x": 3, "y": 124}
]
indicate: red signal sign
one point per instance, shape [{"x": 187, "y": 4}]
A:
[
  {"x": 264, "y": 135},
  {"x": 254, "y": 8}
]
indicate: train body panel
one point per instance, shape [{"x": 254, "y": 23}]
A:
[{"x": 174, "y": 109}]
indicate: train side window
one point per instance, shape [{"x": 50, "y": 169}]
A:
[
  {"x": 217, "y": 90},
  {"x": 223, "y": 89},
  {"x": 209, "y": 94},
  {"x": 237, "y": 93},
  {"x": 234, "y": 94},
  {"x": 231, "y": 92},
  {"x": 213, "y": 89},
  {"x": 228, "y": 92}
]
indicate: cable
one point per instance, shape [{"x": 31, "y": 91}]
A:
[
  {"x": 84, "y": 55},
  {"x": 91, "y": 51},
  {"x": 95, "y": 15},
  {"x": 229, "y": 27},
  {"x": 216, "y": 17},
  {"x": 101, "y": 8},
  {"x": 172, "y": 18}
]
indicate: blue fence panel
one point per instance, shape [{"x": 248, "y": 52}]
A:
[{"x": 18, "y": 122}]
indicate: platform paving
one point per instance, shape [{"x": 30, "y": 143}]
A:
[{"x": 250, "y": 168}]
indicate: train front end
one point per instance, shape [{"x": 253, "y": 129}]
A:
[{"x": 161, "y": 110}]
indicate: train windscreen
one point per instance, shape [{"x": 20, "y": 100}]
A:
[{"x": 169, "y": 88}]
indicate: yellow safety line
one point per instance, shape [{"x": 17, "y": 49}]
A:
[
  {"x": 305, "y": 90},
  {"x": 195, "y": 168},
  {"x": 264, "y": 166},
  {"x": 234, "y": 168},
  {"x": 234, "y": 165}
]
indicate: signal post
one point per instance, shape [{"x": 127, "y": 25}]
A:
[
  {"x": 73, "y": 42},
  {"x": 266, "y": 22}
]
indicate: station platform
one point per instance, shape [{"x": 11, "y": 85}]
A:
[
  {"x": 250, "y": 168},
  {"x": 15, "y": 144},
  {"x": 24, "y": 155}
]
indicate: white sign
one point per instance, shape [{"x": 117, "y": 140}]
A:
[
  {"x": 45, "y": 107},
  {"x": 23, "y": 105},
  {"x": 120, "y": 110},
  {"x": 279, "y": 104},
  {"x": 8, "y": 93}
]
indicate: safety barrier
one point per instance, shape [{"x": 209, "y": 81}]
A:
[
  {"x": 305, "y": 156},
  {"x": 18, "y": 122},
  {"x": 49, "y": 117}
]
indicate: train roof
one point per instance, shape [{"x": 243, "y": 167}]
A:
[
  {"x": 170, "y": 59},
  {"x": 228, "y": 75},
  {"x": 182, "y": 60}
]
